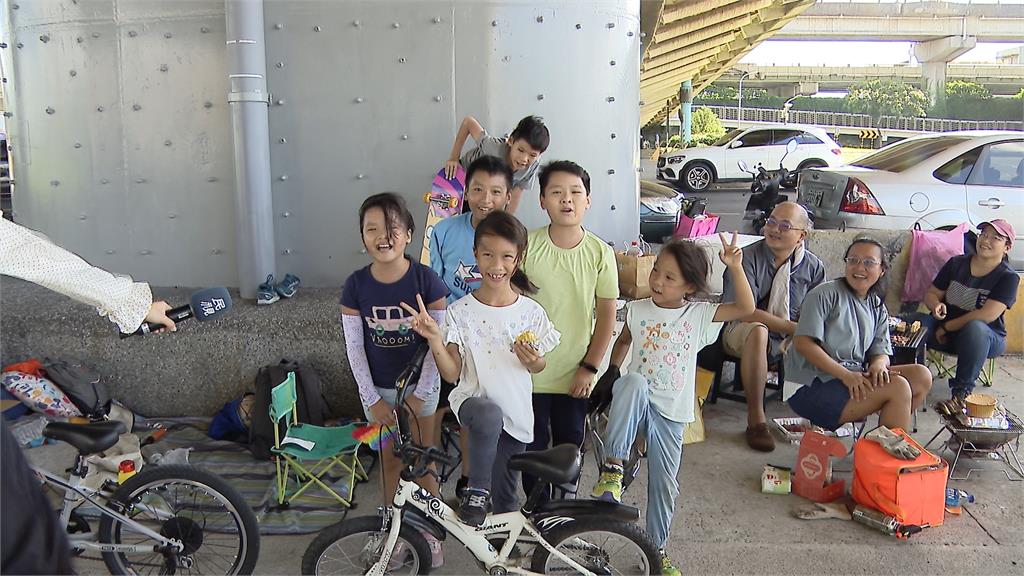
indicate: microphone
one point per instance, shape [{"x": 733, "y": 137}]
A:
[{"x": 204, "y": 305}]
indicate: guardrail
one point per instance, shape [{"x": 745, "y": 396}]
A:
[{"x": 845, "y": 120}]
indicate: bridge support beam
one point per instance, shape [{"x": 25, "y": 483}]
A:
[
  {"x": 934, "y": 55},
  {"x": 795, "y": 89},
  {"x": 686, "y": 111}
]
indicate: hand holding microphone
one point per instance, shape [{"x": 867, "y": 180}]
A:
[{"x": 204, "y": 305}]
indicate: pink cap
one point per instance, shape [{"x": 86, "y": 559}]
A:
[{"x": 1002, "y": 227}]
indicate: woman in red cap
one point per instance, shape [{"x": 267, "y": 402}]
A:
[{"x": 967, "y": 300}]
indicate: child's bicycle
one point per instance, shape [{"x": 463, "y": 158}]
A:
[
  {"x": 555, "y": 536},
  {"x": 163, "y": 520}
]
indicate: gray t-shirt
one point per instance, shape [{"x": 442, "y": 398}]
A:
[
  {"x": 491, "y": 146},
  {"x": 849, "y": 329},
  {"x": 759, "y": 267}
]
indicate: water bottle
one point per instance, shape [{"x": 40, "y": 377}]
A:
[{"x": 634, "y": 249}]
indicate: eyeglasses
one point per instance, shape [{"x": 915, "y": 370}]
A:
[
  {"x": 782, "y": 225},
  {"x": 867, "y": 262},
  {"x": 990, "y": 236}
]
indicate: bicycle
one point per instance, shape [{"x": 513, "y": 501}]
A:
[
  {"x": 581, "y": 536},
  {"x": 165, "y": 515}
]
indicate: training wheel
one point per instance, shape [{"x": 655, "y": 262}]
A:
[
  {"x": 453, "y": 202},
  {"x": 426, "y": 198}
]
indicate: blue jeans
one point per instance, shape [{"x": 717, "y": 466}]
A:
[
  {"x": 974, "y": 343},
  {"x": 632, "y": 413}
]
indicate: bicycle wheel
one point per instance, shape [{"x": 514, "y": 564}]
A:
[
  {"x": 212, "y": 520},
  {"x": 352, "y": 546},
  {"x": 601, "y": 546}
]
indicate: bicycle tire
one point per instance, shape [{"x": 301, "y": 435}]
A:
[
  {"x": 313, "y": 560},
  {"x": 646, "y": 554},
  {"x": 160, "y": 481}
]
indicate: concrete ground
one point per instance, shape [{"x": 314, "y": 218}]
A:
[{"x": 725, "y": 525}]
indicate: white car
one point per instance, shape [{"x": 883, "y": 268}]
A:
[
  {"x": 696, "y": 169},
  {"x": 933, "y": 181}
]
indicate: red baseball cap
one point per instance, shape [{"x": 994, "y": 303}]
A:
[{"x": 1002, "y": 227}]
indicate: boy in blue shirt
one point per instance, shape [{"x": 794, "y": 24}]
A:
[
  {"x": 488, "y": 185},
  {"x": 488, "y": 182}
]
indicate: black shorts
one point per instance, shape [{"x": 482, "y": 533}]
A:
[
  {"x": 822, "y": 402},
  {"x": 446, "y": 390}
]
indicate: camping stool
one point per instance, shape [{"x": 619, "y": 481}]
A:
[{"x": 945, "y": 366}]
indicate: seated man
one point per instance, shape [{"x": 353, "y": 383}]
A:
[{"x": 780, "y": 271}]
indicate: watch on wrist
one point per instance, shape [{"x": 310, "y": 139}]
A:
[{"x": 588, "y": 367}]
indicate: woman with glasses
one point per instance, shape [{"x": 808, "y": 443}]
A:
[
  {"x": 967, "y": 300},
  {"x": 837, "y": 370}
]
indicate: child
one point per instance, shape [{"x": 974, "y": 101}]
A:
[
  {"x": 488, "y": 181},
  {"x": 379, "y": 350},
  {"x": 495, "y": 339},
  {"x": 657, "y": 397},
  {"x": 521, "y": 150},
  {"x": 575, "y": 272}
]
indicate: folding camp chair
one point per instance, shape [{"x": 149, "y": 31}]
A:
[
  {"x": 330, "y": 447},
  {"x": 945, "y": 366}
]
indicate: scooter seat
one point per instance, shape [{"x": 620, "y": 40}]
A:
[
  {"x": 87, "y": 438},
  {"x": 556, "y": 465}
]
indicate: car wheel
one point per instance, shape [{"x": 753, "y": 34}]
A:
[
  {"x": 697, "y": 177},
  {"x": 812, "y": 164}
]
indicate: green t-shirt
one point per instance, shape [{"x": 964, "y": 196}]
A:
[{"x": 570, "y": 282}]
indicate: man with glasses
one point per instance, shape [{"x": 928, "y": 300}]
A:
[{"x": 781, "y": 272}]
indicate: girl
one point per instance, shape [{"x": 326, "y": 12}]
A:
[
  {"x": 495, "y": 339},
  {"x": 657, "y": 397},
  {"x": 379, "y": 340},
  {"x": 841, "y": 348},
  {"x": 967, "y": 299}
]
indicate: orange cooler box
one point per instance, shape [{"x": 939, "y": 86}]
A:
[{"x": 913, "y": 491}]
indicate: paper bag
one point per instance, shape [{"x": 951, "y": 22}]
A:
[
  {"x": 694, "y": 431},
  {"x": 634, "y": 274}
]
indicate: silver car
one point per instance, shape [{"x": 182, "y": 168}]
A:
[{"x": 934, "y": 181}]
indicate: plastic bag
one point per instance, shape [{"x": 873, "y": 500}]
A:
[{"x": 930, "y": 250}]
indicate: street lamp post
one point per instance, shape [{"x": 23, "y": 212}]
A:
[{"x": 739, "y": 97}]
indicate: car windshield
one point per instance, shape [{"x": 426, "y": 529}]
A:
[
  {"x": 728, "y": 137},
  {"x": 907, "y": 154}
]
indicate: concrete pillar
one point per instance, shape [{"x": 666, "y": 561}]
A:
[
  {"x": 686, "y": 111},
  {"x": 785, "y": 91},
  {"x": 934, "y": 55}
]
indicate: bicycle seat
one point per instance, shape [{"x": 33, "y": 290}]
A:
[
  {"x": 88, "y": 438},
  {"x": 556, "y": 465}
]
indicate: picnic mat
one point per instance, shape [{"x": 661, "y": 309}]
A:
[{"x": 255, "y": 479}]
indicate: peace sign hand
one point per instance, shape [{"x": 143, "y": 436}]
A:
[
  {"x": 422, "y": 323},
  {"x": 731, "y": 254}
]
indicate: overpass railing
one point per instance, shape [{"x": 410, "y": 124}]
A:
[{"x": 846, "y": 120}]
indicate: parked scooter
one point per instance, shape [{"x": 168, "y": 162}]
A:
[{"x": 765, "y": 192}]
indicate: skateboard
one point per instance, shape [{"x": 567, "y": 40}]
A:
[{"x": 443, "y": 200}]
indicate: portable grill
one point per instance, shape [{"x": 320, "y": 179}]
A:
[{"x": 983, "y": 443}]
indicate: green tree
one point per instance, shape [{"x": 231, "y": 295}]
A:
[
  {"x": 1019, "y": 95},
  {"x": 967, "y": 90},
  {"x": 877, "y": 98},
  {"x": 705, "y": 121}
]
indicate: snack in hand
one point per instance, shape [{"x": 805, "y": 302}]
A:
[{"x": 528, "y": 338}]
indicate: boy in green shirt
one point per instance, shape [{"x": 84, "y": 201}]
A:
[{"x": 576, "y": 274}]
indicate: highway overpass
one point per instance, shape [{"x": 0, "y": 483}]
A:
[{"x": 1000, "y": 79}]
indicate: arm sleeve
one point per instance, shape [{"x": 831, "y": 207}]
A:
[
  {"x": 436, "y": 261},
  {"x": 945, "y": 275},
  {"x": 728, "y": 290},
  {"x": 547, "y": 336},
  {"x": 1005, "y": 290},
  {"x": 607, "y": 273},
  {"x": 434, "y": 289},
  {"x": 814, "y": 313},
  {"x": 25, "y": 255},
  {"x": 710, "y": 328},
  {"x": 357, "y": 361},
  {"x": 430, "y": 378},
  {"x": 881, "y": 343}
]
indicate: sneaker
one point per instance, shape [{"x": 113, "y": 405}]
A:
[
  {"x": 436, "y": 550},
  {"x": 266, "y": 294},
  {"x": 609, "y": 484},
  {"x": 460, "y": 486},
  {"x": 759, "y": 437},
  {"x": 288, "y": 287},
  {"x": 473, "y": 507},
  {"x": 669, "y": 567}
]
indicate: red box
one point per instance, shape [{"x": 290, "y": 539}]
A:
[
  {"x": 913, "y": 491},
  {"x": 694, "y": 227}
]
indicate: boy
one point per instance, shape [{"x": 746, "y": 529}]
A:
[
  {"x": 521, "y": 151},
  {"x": 575, "y": 273},
  {"x": 488, "y": 181}
]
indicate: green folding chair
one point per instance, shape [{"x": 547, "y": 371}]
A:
[
  {"x": 945, "y": 366},
  {"x": 328, "y": 448}
]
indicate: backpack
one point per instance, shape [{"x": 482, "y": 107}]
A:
[
  {"x": 82, "y": 385},
  {"x": 310, "y": 403}
]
